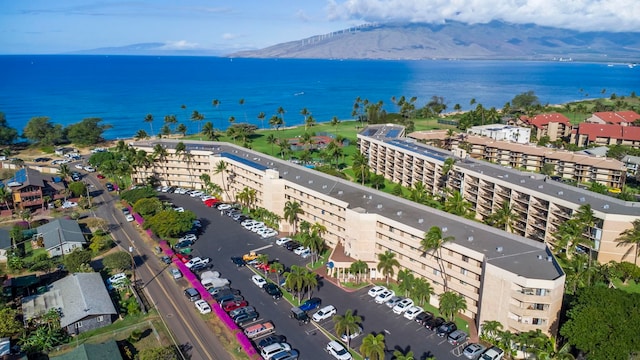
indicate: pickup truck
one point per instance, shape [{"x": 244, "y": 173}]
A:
[{"x": 214, "y": 282}]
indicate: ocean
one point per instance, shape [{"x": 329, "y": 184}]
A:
[{"x": 122, "y": 90}]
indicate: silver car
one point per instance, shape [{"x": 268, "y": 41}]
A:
[{"x": 393, "y": 301}]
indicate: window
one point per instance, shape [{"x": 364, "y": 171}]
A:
[
  {"x": 436, "y": 272},
  {"x": 100, "y": 318},
  {"x": 79, "y": 324},
  {"x": 465, "y": 258},
  {"x": 463, "y": 271}
]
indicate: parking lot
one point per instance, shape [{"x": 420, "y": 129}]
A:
[{"x": 223, "y": 238}]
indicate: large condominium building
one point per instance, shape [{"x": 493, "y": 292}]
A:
[
  {"x": 541, "y": 204},
  {"x": 502, "y": 276},
  {"x": 572, "y": 166}
]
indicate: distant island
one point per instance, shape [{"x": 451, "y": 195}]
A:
[{"x": 456, "y": 40}]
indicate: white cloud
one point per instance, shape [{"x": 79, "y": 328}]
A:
[
  {"x": 302, "y": 15},
  {"x": 230, "y": 36},
  {"x": 179, "y": 45},
  {"x": 584, "y": 15}
]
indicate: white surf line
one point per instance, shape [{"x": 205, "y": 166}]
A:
[{"x": 262, "y": 248}]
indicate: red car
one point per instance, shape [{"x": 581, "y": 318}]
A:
[
  {"x": 100, "y": 176},
  {"x": 183, "y": 257},
  {"x": 211, "y": 202},
  {"x": 230, "y": 306},
  {"x": 263, "y": 267}
]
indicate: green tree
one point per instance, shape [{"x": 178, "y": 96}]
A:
[
  {"x": 373, "y": 347},
  {"x": 451, "y": 303},
  {"x": 118, "y": 261},
  {"x": 360, "y": 167},
  {"x": 169, "y": 223},
  {"x": 504, "y": 218},
  {"x": 422, "y": 290},
  {"x": 222, "y": 169},
  {"x": 347, "y": 324},
  {"x": 8, "y": 135},
  {"x": 291, "y": 211},
  {"x": 141, "y": 135},
  {"x": 149, "y": 120},
  {"x": 78, "y": 188},
  {"x": 295, "y": 279},
  {"x": 406, "y": 281},
  {"x": 160, "y": 353},
  {"x": 386, "y": 264},
  {"x": 10, "y": 326},
  {"x": 42, "y": 132},
  {"x": 182, "y": 129},
  {"x": 358, "y": 268},
  {"x": 433, "y": 242},
  {"x": 604, "y": 323},
  {"x": 271, "y": 140},
  {"x": 399, "y": 355},
  {"x": 76, "y": 259},
  {"x": 525, "y": 100},
  {"x": 490, "y": 330},
  {"x": 631, "y": 238},
  {"x": 457, "y": 205},
  {"x": 86, "y": 132},
  {"x": 209, "y": 131}
]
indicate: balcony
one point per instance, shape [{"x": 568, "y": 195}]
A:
[
  {"x": 528, "y": 311},
  {"x": 524, "y": 325},
  {"x": 531, "y": 298}
]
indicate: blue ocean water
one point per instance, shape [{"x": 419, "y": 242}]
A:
[{"x": 123, "y": 89}]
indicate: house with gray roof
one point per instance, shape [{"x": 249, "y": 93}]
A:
[
  {"x": 5, "y": 244},
  {"x": 632, "y": 163},
  {"x": 82, "y": 300},
  {"x": 104, "y": 351},
  {"x": 61, "y": 236}
]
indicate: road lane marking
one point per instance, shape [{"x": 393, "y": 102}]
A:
[{"x": 262, "y": 248}]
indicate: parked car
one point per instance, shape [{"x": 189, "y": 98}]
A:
[
  {"x": 457, "y": 337},
  {"x": 117, "y": 278},
  {"x": 192, "y": 294},
  {"x": 69, "y": 204},
  {"x": 241, "y": 310},
  {"x": 291, "y": 245},
  {"x": 129, "y": 218},
  {"x": 271, "y": 339},
  {"x": 402, "y": 306},
  {"x": 473, "y": 351},
  {"x": 268, "y": 352},
  {"x": 183, "y": 244},
  {"x": 324, "y": 313},
  {"x": 423, "y": 317},
  {"x": 197, "y": 260},
  {"x": 224, "y": 292},
  {"x": 189, "y": 237},
  {"x": 265, "y": 328},
  {"x": 258, "y": 280},
  {"x": 203, "y": 306},
  {"x": 434, "y": 323},
  {"x": 393, "y": 301},
  {"x": 494, "y": 353},
  {"x": 273, "y": 290},
  {"x": 282, "y": 241},
  {"x": 299, "y": 250},
  {"x": 338, "y": 351},
  {"x": 446, "y": 329},
  {"x": 201, "y": 267},
  {"x": 376, "y": 290},
  {"x": 299, "y": 315},
  {"x": 310, "y": 304},
  {"x": 246, "y": 318},
  {"x": 384, "y": 296},
  {"x": 229, "y": 306},
  {"x": 412, "y": 312},
  {"x": 175, "y": 273},
  {"x": 238, "y": 261}
]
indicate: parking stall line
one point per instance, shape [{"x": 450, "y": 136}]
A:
[{"x": 262, "y": 248}]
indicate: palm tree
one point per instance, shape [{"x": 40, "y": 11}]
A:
[
  {"x": 386, "y": 264},
  {"x": 64, "y": 171},
  {"x": 373, "y": 347},
  {"x": 261, "y": 117},
  {"x": 296, "y": 279},
  {"x": 182, "y": 129},
  {"x": 422, "y": 290},
  {"x": 346, "y": 324},
  {"x": 406, "y": 281},
  {"x": 310, "y": 282},
  {"x": 209, "y": 131},
  {"x": 490, "y": 330},
  {"x": 277, "y": 268},
  {"x": 232, "y": 119},
  {"x": 222, "y": 168},
  {"x": 451, "y": 303},
  {"x": 149, "y": 119},
  {"x": 304, "y": 112},
  {"x": 358, "y": 268},
  {"x": 399, "y": 355},
  {"x": 281, "y": 111},
  {"x": 216, "y": 104},
  {"x": 197, "y": 118},
  {"x": 549, "y": 350},
  {"x": 241, "y": 102},
  {"x": 271, "y": 140},
  {"x": 448, "y": 138},
  {"x": 432, "y": 242},
  {"x": 291, "y": 211},
  {"x": 504, "y": 218},
  {"x": 334, "y": 122},
  {"x": 170, "y": 120},
  {"x": 141, "y": 135},
  {"x": 360, "y": 166},
  {"x": 631, "y": 237}
]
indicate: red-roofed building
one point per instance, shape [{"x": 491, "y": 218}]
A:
[
  {"x": 554, "y": 125},
  {"x": 606, "y": 134},
  {"x": 624, "y": 118}
]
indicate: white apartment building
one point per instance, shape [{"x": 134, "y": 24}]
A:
[
  {"x": 502, "y": 276},
  {"x": 501, "y": 132}
]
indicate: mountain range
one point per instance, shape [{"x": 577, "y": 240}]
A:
[{"x": 455, "y": 40}]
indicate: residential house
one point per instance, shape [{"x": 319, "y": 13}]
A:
[
  {"x": 5, "y": 244},
  {"x": 554, "y": 125},
  {"x": 606, "y": 134},
  {"x": 623, "y": 118},
  {"x": 60, "y": 236},
  {"x": 501, "y": 132},
  {"x": 29, "y": 187},
  {"x": 104, "y": 351},
  {"x": 632, "y": 163},
  {"x": 81, "y": 299}
]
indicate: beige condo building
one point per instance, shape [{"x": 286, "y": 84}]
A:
[
  {"x": 541, "y": 204},
  {"x": 502, "y": 276}
]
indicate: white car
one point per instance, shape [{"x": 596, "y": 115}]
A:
[
  {"x": 412, "y": 312},
  {"x": 282, "y": 241},
  {"x": 196, "y": 260},
  {"x": 203, "y": 306},
  {"x": 179, "y": 209},
  {"x": 384, "y": 296},
  {"x": 89, "y": 169},
  {"x": 300, "y": 250},
  {"x": 248, "y": 224},
  {"x": 129, "y": 217},
  {"x": 353, "y": 335},
  {"x": 338, "y": 351},
  {"x": 116, "y": 278},
  {"x": 69, "y": 204},
  {"x": 376, "y": 290},
  {"x": 190, "y": 237},
  {"x": 305, "y": 254},
  {"x": 391, "y": 303},
  {"x": 258, "y": 280},
  {"x": 402, "y": 306},
  {"x": 269, "y": 233},
  {"x": 79, "y": 166},
  {"x": 270, "y": 351},
  {"x": 196, "y": 194},
  {"x": 224, "y": 207},
  {"x": 206, "y": 197},
  {"x": 324, "y": 313}
]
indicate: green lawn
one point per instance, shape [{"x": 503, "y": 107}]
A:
[{"x": 630, "y": 287}]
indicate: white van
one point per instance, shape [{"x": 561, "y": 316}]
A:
[{"x": 268, "y": 351}]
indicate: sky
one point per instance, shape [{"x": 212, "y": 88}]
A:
[{"x": 57, "y": 26}]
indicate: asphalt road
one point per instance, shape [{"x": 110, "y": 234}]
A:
[
  {"x": 188, "y": 330},
  {"x": 223, "y": 238}
]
